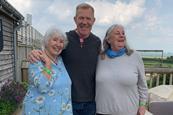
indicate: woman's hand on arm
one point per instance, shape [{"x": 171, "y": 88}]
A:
[
  {"x": 44, "y": 58},
  {"x": 47, "y": 65},
  {"x": 141, "y": 110}
]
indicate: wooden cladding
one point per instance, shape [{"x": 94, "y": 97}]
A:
[{"x": 1, "y": 36}]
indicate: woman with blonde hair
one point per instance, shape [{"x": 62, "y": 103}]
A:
[{"x": 121, "y": 87}]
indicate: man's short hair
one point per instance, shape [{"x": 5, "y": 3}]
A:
[{"x": 84, "y": 6}]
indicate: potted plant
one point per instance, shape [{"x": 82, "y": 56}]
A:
[{"x": 11, "y": 96}]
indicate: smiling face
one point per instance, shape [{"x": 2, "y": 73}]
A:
[
  {"x": 55, "y": 46},
  {"x": 117, "y": 38},
  {"x": 84, "y": 20}
]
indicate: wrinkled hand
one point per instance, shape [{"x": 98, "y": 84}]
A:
[
  {"x": 45, "y": 58},
  {"x": 34, "y": 56},
  {"x": 141, "y": 110}
]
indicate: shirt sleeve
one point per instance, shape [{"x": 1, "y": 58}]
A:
[
  {"x": 142, "y": 84},
  {"x": 38, "y": 79}
]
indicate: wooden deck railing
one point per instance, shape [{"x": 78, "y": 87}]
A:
[{"x": 158, "y": 76}]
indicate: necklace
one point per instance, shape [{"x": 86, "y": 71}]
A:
[
  {"x": 81, "y": 39},
  {"x": 81, "y": 42},
  {"x": 52, "y": 60}
]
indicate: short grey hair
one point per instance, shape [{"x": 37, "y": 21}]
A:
[
  {"x": 52, "y": 33},
  {"x": 84, "y": 6},
  {"x": 106, "y": 45}
]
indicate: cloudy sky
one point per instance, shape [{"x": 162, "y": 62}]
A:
[{"x": 148, "y": 23}]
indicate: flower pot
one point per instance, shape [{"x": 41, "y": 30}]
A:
[{"x": 18, "y": 110}]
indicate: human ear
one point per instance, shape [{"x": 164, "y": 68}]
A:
[
  {"x": 108, "y": 40},
  {"x": 75, "y": 19},
  {"x": 94, "y": 20}
]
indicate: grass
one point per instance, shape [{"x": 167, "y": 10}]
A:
[{"x": 156, "y": 62}]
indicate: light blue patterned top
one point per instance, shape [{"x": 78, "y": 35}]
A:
[{"x": 48, "y": 97}]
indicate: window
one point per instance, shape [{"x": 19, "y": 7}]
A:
[{"x": 1, "y": 36}]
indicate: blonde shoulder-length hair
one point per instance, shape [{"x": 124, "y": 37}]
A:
[{"x": 106, "y": 45}]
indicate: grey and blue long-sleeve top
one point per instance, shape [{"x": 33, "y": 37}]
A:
[{"x": 120, "y": 85}]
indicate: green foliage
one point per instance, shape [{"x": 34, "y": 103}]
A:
[
  {"x": 7, "y": 107},
  {"x": 11, "y": 96},
  {"x": 25, "y": 85},
  {"x": 169, "y": 59},
  {"x": 158, "y": 62}
]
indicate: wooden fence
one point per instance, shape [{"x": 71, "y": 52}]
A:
[
  {"x": 159, "y": 76},
  {"x": 28, "y": 39}
]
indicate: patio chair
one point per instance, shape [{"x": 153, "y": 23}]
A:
[{"x": 161, "y": 108}]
